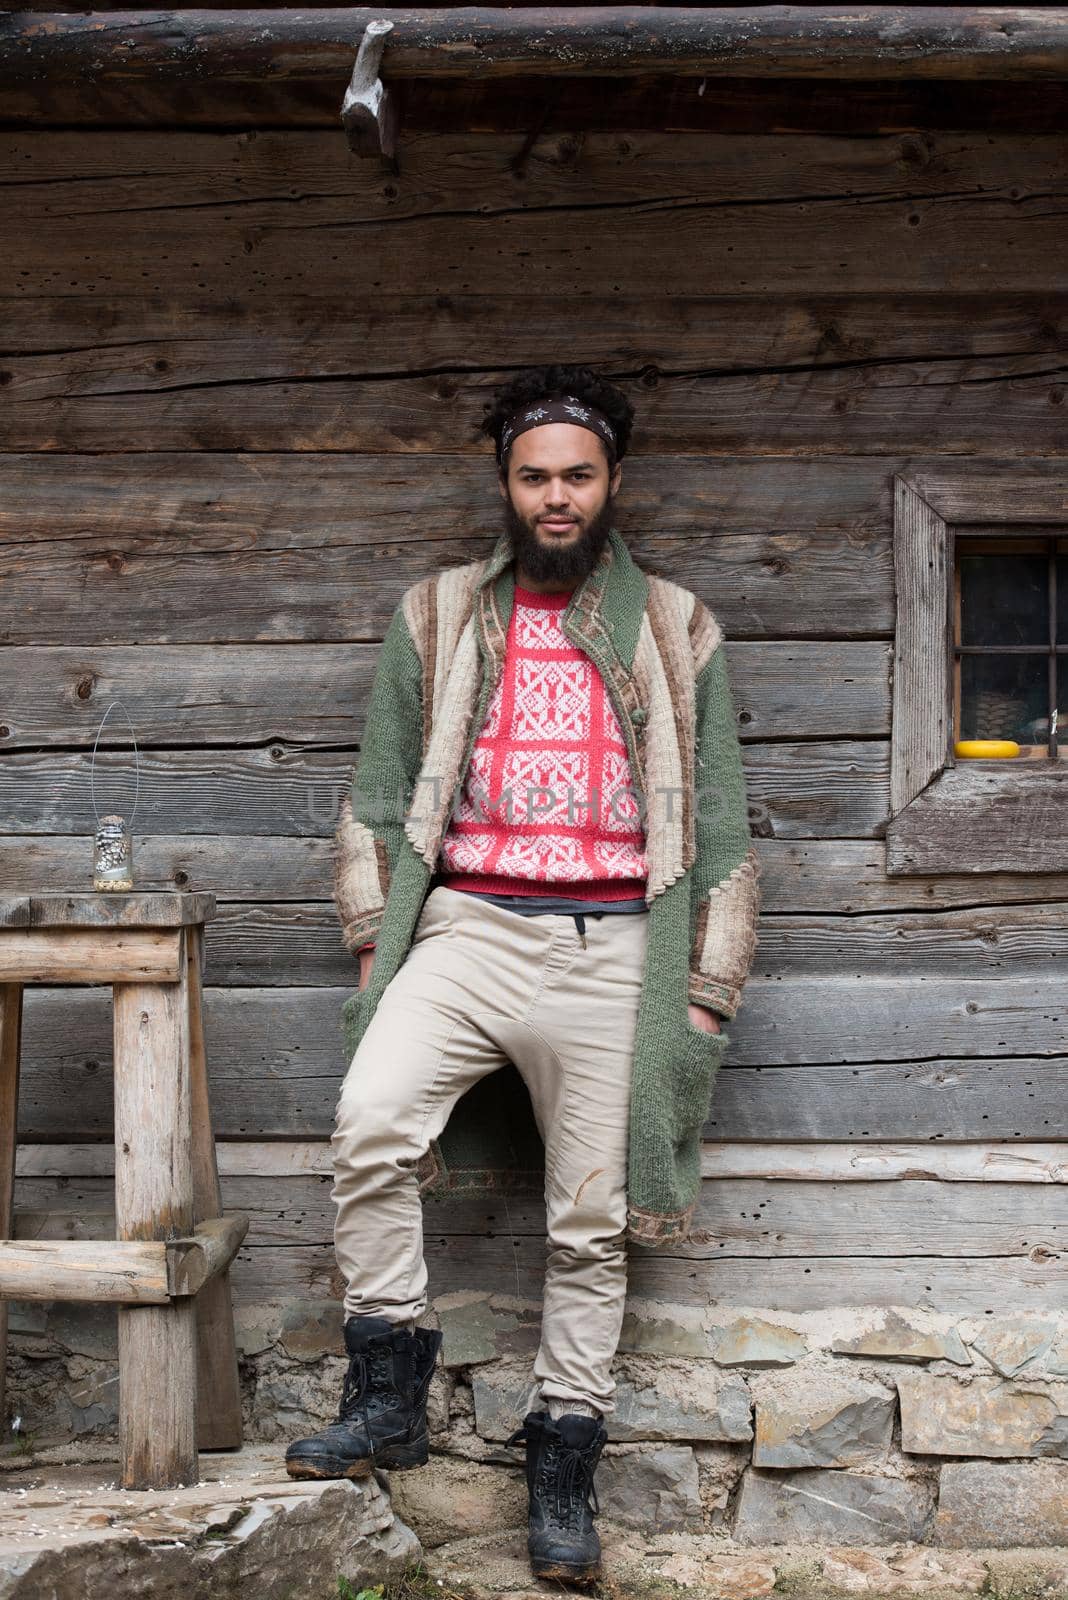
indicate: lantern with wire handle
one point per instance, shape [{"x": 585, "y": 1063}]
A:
[{"x": 113, "y": 841}]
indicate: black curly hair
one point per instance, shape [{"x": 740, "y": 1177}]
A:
[{"x": 551, "y": 383}]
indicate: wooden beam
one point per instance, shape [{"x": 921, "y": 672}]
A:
[
  {"x": 129, "y": 1272},
  {"x": 154, "y": 1202},
  {"x": 193, "y": 1263},
  {"x": 141, "y": 909},
  {"x": 865, "y": 42},
  {"x": 49, "y": 1250},
  {"x": 10, "y": 1037},
  {"x": 219, "y": 1421},
  {"x": 77, "y": 955}
]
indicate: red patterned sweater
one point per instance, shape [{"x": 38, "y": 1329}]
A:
[
  {"x": 552, "y": 745},
  {"x": 552, "y": 737}
]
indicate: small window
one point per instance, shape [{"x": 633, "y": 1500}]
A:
[
  {"x": 1010, "y": 643},
  {"x": 980, "y": 653}
]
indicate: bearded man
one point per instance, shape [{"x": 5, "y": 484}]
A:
[{"x": 562, "y": 877}]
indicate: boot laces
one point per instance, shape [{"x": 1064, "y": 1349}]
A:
[
  {"x": 363, "y": 1367},
  {"x": 571, "y": 1482},
  {"x": 565, "y": 1477}
]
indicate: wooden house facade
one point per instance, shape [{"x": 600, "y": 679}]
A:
[{"x": 244, "y": 361}]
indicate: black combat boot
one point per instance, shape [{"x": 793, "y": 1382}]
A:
[
  {"x": 381, "y": 1421},
  {"x": 561, "y": 1459}
]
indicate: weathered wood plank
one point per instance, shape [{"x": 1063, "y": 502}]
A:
[
  {"x": 219, "y": 1422},
  {"x": 646, "y": 101},
  {"x": 771, "y": 1218},
  {"x": 269, "y": 1275},
  {"x": 818, "y": 787},
  {"x": 129, "y": 1272},
  {"x": 964, "y": 818},
  {"x": 154, "y": 1201},
  {"x": 799, "y": 546},
  {"x": 82, "y": 955},
  {"x": 317, "y": 693},
  {"x": 348, "y": 590},
  {"x": 974, "y": 1161},
  {"x": 194, "y": 1264},
  {"x": 1001, "y": 942},
  {"x": 756, "y": 1266},
  {"x": 297, "y": 943},
  {"x": 799, "y": 876},
  {"x": 159, "y": 345},
  {"x": 10, "y": 1054},
  {"x": 795, "y": 790},
  {"x": 996, "y": 403},
  {"x": 489, "y": 42},
  {"x": 59, "y": 175},
  {"x": 828, "y": 374},
  {"x": 775, "y": 1219},
  {"x": 139, "y": 909},
  {"x": 779, "y": 548},
  {"x": 980, "y": 241},
  {"x": 677, "y": 103},
  {"x": 833, "y": 1058},
  {"x": 849, "y": 876},
  {"x": 422, "y": 513},
  {"x": 921, "y": 701},
  {"x": 275, "y": 790},
  {"x": 513, "y": 1265}
]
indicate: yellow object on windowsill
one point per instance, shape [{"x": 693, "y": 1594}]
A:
[{"x": 986, "y": 748}]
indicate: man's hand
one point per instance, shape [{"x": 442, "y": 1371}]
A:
[
  {"x": 367, "y": 961},
  {"x": 703, "y": 1018}
]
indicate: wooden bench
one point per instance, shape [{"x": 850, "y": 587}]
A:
[{"x": 168, "y": 1269}]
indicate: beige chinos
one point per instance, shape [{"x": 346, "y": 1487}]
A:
[{"x": 480, "y": 986}]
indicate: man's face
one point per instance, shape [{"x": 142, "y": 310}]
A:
[{"x": 558, "y": 501}]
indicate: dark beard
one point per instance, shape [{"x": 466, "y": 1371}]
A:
[{"x": 566, "y": 565}]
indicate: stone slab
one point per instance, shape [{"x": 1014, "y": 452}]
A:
[
  {"x": 1001, "y": 1504},
  {"x": 836, "y": 1507},
  {"x": 984, "y": 1416},
  {"x": 245, "y": 1528},
  {"x": 657, "y": 1491},
  {"x": 903, "y": 1338},
  {"x": 756, "y": 1341},
  {"x": 907, "y": 1571},
  {"x": 663, "y": 1400},
  {"x": 711, "y": 1567},
  {"x": 820, "y": 1418},
  {"x": 480, "y": 1327},
  {"x": 1011, "y": 1346},
  {"x": 453, "y": 1499}
]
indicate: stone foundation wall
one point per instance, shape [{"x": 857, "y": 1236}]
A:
[{"x": 852, "y": 1426}]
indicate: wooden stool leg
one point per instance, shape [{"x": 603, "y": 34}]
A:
[
  {"x": 154, "y": 1200},
  {"x": 217, "y": 1377},
  {"x": 10, "y": 1032}
]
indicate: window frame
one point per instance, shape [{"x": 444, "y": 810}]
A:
[
  {"x": 974, "y": 815},
  {"x": 966, "y": 541}
]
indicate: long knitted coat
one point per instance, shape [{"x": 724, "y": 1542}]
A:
[{"x": 660, "y": 652}]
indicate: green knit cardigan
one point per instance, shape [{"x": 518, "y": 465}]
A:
[{"x": 660, "y": 652}]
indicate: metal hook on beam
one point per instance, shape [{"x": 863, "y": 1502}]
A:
[{"x": 368, "y": 110}]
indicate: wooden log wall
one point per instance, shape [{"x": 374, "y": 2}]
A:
[{"x": 239, "y": 389}]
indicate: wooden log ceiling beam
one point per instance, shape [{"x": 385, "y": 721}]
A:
[{"x": 859, "y": 42}]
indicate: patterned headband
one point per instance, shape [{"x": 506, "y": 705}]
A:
[{"x": 567, "y": 409}]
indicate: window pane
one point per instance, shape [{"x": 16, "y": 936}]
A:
[
  {"x": 1004, "y": 599},
  {"x": 1062, "y": 707},
  {"x": 1062, "y": 599},
  {"x": 1004, "y": 697}
]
